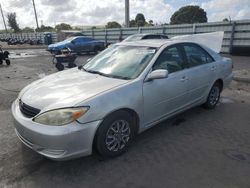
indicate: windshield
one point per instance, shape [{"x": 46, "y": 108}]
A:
[
  {"x": 133, "y": 38},
  {"x": 118, "y": 61},
  {"x": 69, "y": 39}
]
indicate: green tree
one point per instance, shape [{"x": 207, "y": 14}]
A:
[
  {"x": 132, "y": 23},
  {"x": 140, "y": 20},
  {"x": 189, "y": 14},
  {"x": 77, "y": 28},
  {"x": 11, "y": 17},
  {"x": 113, "y": 25},
  {"x": 63, "y": 26},
  {"x": 225, "y": 20},
  {"x": 44, "y": 28},
  {"x": 28, "y": 30}
]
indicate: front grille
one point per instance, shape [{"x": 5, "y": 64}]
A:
[{"x": 27, "y": 110}]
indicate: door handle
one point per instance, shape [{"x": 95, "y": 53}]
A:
[{"x": 184, "y": 78}]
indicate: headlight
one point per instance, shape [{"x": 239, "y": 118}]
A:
[{"x": 61, "y": 116}]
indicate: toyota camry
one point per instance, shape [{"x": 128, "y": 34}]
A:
[{"x": 124, "y": 90}]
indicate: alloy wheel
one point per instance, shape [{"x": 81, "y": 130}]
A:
[
  {"x": 214, "y": 96},
  {"x": 117, "y": 135}
]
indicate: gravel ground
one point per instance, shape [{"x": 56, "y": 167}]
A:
[{"x": 198, "y": 148}]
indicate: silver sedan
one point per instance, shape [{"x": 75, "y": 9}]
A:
[{"x": 121, "y": 92}]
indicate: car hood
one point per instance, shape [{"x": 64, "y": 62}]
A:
[{"x": 66, "y": 89}]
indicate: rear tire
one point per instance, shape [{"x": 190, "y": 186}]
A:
[
  {"x": 115, "y": 134},
  {"x": 213, "y": 96},
  {"x": 7, "y": 61}
]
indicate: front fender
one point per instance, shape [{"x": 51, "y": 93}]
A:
[{"x": 127, "y": 96}]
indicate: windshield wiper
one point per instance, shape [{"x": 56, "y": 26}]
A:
[
  {"x": 119, "y": 77},
  {"x": 86, "y": 70},
  {"x": 94, "y": 72},
  {"x": 103, "y": 74}
]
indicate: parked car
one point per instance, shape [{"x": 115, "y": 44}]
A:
[
  {"x": 124, "y": 90},
  {"x": 77, "y": 44},
  {"x": 143, "y": 36}
]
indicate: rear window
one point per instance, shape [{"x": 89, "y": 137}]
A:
[
  {"x": 133, "y": 38},
  {"x": 196, "y": 55},
  {"x": 152, "y": 37}
]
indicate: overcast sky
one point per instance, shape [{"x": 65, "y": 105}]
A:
[{"x": 99, "y": 12}]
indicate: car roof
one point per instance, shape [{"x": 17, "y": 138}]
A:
[
  {"x": 79, "y": 37},
  {"x": 156, "y": 43}
]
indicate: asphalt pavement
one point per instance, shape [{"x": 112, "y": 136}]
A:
[{"x": 198, "y": 148}]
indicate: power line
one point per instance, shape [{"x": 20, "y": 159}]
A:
[
  {"x": 35, "y": 13},
  {"x": 3, "y": 18}
]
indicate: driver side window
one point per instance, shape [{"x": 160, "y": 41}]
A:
[
  {"x": 170, "y": 59},
  {"x": 76, "y": 41}
]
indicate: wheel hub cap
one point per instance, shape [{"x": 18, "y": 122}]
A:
[
  {"x": 117, "y": 135},
  {"x": 214, "y": 95}
]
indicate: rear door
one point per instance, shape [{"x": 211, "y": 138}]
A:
[{"x": 201, "y": 71}]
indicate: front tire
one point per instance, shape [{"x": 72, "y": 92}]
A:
[
  {"x": 115, "y": 134},
  {"x": 59, "y": 66},
  {"x": 213, "y": 96}
]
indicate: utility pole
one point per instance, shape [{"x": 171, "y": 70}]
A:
[
  {"x": 3, "y": 18},
  {"x": 35, "y": 13},
  {"x": 127, "y": 13}
]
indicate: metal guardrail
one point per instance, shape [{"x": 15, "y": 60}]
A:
[{"x": 236, "y": 33}]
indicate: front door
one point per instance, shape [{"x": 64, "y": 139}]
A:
[{"x": 163, "y": 97}]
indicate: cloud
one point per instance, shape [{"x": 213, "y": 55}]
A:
[
  {"x": 218, "y": 10},
  {"x": 156, "y": 10},
  {"x": 99, "y": 12},
  {"x": 57, "y": 2}
]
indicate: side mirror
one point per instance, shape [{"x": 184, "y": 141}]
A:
[{"x": 157, "y": 74}]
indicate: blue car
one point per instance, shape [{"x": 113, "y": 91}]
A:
[{"x": 77, "y": 44}]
